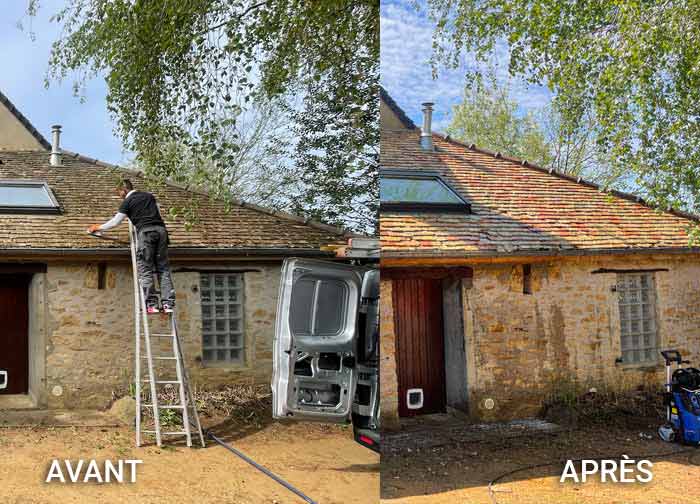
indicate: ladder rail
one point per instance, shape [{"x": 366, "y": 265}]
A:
[
  {"x": 186, "y": 377},
  {"x": 137, "y": 323},
  {"x": 180, "y": 378}
]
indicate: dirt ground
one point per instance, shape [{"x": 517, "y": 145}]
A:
[
  {"x": 322, "y": 461},
  {"x": 450, "y": 466}
]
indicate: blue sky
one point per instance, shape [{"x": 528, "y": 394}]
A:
[
  {"x": 405, "y": 72},
  {"x": 87, "y": 126},
  {"x": 406, "y": 47}
]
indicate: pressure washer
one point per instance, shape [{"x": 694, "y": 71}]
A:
[{"x": 682, "y": 401}]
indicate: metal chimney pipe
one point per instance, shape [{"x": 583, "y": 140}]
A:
[
  {"x": 426, "y": 134},
  {"x": 56, "y": 158}
]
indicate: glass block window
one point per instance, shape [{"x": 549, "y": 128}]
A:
[
  {"x": 222, "y": 317},
  {"x": 638, "y": 329}
]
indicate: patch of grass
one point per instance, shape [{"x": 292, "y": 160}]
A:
[{"x": 170, "y": 417}]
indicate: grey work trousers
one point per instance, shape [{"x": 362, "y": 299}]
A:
[{"x": 152, "y": 259}]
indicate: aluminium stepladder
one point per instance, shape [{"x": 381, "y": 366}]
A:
[{"x": 187, "y": 406}]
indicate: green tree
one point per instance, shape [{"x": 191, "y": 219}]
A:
[
  {"x": 261, "y": 172},
  {"x": 633, "y": 65},
  {"x": 489, "y": 117},
  {"x": 173, "y": 67},
  {"x": 338, "y": 160}
]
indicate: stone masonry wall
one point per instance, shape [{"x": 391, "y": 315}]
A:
[
  {"x": 521, "y": 347},
  {"x": 90, "y": 343},
  {"x": 389, "y": 385}
]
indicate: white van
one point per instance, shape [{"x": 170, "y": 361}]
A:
[{"x": 326, "y": 347}]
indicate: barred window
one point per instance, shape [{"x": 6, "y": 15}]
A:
[
  {"x": 638, "y": 329},
  {"x": 222, "y": 317}
]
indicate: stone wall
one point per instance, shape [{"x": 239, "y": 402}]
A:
[
  {"x": 90, "y": 332},
  {"x": 389, "y": 385},
  {"x": 522, "y": 347}
]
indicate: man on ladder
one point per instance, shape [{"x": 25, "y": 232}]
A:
[
  {"x": 152, "y": 255},
  {"x": 149, "y": 254}
]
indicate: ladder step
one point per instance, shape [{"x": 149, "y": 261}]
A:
[
  {"x": 163, "y": 381},
  {"x": 157, "y": 313},
  {"x": 161, "y": 335},
  {"x": 160, "y": 358},
  {"x": 166, "y": 406},
  {"x": 182, "y": 433}
]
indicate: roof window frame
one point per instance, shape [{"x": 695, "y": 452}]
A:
[
  {"x": 55, "y": 209},
  {"x": 407, "y": 206}
]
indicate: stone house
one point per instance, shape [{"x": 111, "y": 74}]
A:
[
  {"x": 66, "y": 298},
  {"x": 503, "y": 282}
]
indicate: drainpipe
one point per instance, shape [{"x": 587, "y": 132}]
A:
[
  {"x": 426, "y": 134},
  {"x": 56, "y": 158}
]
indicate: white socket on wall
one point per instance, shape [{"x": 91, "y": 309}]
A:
[{"x": 414, "y": 398}]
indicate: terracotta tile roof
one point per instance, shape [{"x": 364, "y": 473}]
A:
[
  {"x": 517, "y": 209},
  {"x": 84, "y": 189}
]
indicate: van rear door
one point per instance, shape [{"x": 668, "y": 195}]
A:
[{"x": 315, "y": 347}]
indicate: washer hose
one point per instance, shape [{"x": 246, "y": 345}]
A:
[{"x": 261, "y": 468}]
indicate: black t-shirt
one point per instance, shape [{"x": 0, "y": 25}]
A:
[{"x": 142, "y": 210}]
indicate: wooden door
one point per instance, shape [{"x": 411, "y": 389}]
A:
[
  {"x": 420, "y": 347},
  {"x": 14, "y": 332}
]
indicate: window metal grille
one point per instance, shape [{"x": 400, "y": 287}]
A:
[
  {"x": 638, "y": 328},
  {"x": 222, "y": 317}
]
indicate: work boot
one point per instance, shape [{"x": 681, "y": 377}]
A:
[
  {"x": 168, "y": 306},
  {"x": 152, "y": 309}
]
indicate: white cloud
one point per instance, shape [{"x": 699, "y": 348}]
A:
[
  {"x": 88, "y": 129},
  {"x": 406, "y": 73}
]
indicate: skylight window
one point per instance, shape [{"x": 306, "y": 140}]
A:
[
  {"x": 415, "y": 190},
  {"x": 26, "y": 197}
]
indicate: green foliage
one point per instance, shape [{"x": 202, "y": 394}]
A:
[
  {"x": 634, "y": 66},
  {"x": 169, "y": 417},
  {"x": 175, "y": 67},
  {"x": 489, "y": 117},
  {"x": 338, "y": 161}
]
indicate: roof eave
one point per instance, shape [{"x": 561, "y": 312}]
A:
[
  {"x": 524, "y": 254},
  {"x": 173, "y": 252}
]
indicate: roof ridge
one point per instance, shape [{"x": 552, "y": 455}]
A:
[
  {"x": 578, "y": 180},
  {"x": 395, "y": 108},
  {"x": 203, "y": 192},
  {"x": 25, "y": 122}
]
